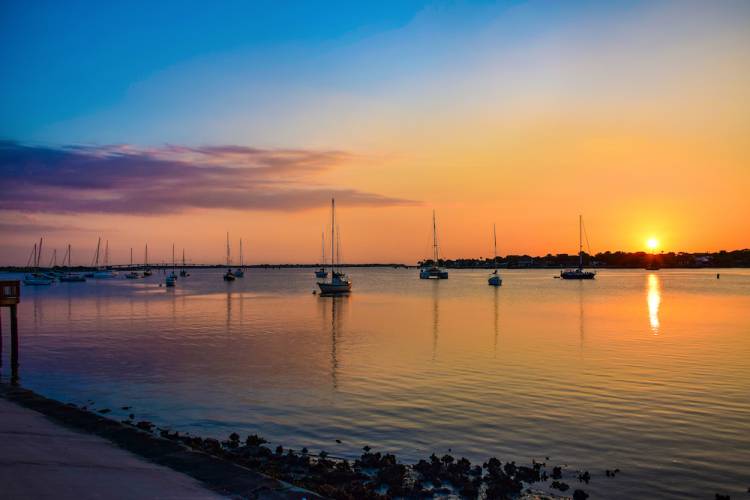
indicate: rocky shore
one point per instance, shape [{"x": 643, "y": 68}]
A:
[{"x": 246, "y": 467}]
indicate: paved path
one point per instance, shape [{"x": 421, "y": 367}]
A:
[{"x": 40, "y": 459}]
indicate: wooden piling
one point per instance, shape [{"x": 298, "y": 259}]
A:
[{"x": 10, "y": 296}]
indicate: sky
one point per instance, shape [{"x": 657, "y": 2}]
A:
[{"x": 177, "y": 122}]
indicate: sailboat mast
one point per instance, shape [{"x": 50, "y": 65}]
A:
[
  {"x": 106, "y": 253},
  {"x": 96, "y": 256},
  {"x": 32, "y": 257},
  {"x": 580, "y": 241},
  {"x": 145, "y": 263},
  {"x": 241, "y": 253},
  {"x": 333, "y": 235},
  {"x": 172, "y": 255},
  {"x": 323, "y": 247},
  {"x": 39, "y": 253},
  {"x": 494, "y": 239},
  {"x": 131, "y": 256},
  {"x": 183, "y": 257},
  {"x": 227, "y": 248},
  {"x": 434, "y": 239}
]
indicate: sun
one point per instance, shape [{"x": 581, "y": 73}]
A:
[{"x": 652, "y": 243}]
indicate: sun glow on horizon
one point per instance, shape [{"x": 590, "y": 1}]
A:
[{"x": 652, "y": 243}]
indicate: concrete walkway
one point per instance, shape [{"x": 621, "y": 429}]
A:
[{"x": 41, "y": 459}]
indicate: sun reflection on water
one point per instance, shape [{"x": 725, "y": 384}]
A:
[{"x": 653, "y": 298}]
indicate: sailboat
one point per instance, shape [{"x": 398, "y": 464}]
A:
[
  {"x": 228, "y": 276},
  {"x": 240, "y": 273},
  {"x": 68, "y": 276},
  {"x": 95, "y": 260},
  {"x": 146, "y": 269},
  {"x": 578, "y": 273},
  {"x": 132, "y": 275},
  {"x": 104, "y": 273},
  {"x": 53, "y": 272},
  {"x": 183, "y": 272},
  {"x": 36, "y": 278},
  {"x": 434, "y": 272},
  {"x": 171, "y": 278},
  {"x": 494, "y": 279},
  {"x": 322, "y": 273},
  {"x": 340, "y": 283}
]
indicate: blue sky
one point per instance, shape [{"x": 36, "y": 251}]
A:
[{"x": 65, "y": 61}]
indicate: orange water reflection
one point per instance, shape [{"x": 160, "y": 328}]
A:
[{"x": 653, "y": 298}]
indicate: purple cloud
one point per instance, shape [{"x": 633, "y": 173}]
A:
[{"x": 128, "y": 180}]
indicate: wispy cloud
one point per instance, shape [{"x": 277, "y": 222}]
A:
[{"x": 126, "y": 179}]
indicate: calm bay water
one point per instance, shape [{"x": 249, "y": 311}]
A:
[{"x": 647, "y": 372}]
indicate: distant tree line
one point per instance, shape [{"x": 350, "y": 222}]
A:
[{"x": 734, "y": 258}]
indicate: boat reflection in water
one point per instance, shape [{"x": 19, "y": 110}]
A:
[
  {"x": 653, "y": 298},
  {"x": 336, "y": 305}
]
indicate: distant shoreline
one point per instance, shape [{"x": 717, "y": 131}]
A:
[{"x": 602, "y": 260}]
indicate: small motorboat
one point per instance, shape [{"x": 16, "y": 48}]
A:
[
  {"x": 36, "y": 279},
  {"x": 171, "y": 279},
  {"x": 239, "y": 273},
  {"x": 72, "y": 278},
  {"x": 321, "y": 273},
  {"x": 104, "y": 274},
  {"x": 229, "y": 276},
  {"x": 132, "y": 275}
]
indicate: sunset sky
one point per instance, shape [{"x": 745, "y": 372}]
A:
[{"x": 168, "y": 122}]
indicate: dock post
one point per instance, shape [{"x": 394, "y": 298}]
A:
[
  {"x": 13, "y": 344},
  {"x": 10, "y": 296}
]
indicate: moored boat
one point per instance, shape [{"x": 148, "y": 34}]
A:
[
  {"x": 171, "y": 278},
  {"x": 494, "y": 279},
  {"x": 579, "y": 273},
  {"x": 146, "y": 270},
  {"x": 240, "y": 271},
  {"x": 183, "y": 272},
  {"x": 340, "y": 282},
  {"x": 36, "y": 278},
  {"x": 433, "y": 271},
  {"x": 68, "y": 276},
  {"x": 229, "y": 275},
  {"x": 132, "y": 275},
  {"x": 104, "y": 273}
]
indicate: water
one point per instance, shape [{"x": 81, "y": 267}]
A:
[{"x": 647, "y": 372}]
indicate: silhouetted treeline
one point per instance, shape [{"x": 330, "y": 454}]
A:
[{"x": 734, "y": 258}]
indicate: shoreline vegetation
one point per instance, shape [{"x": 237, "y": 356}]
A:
[
  {"x": 603, "y": 260},
  {"x": 246, "y": 467}
]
